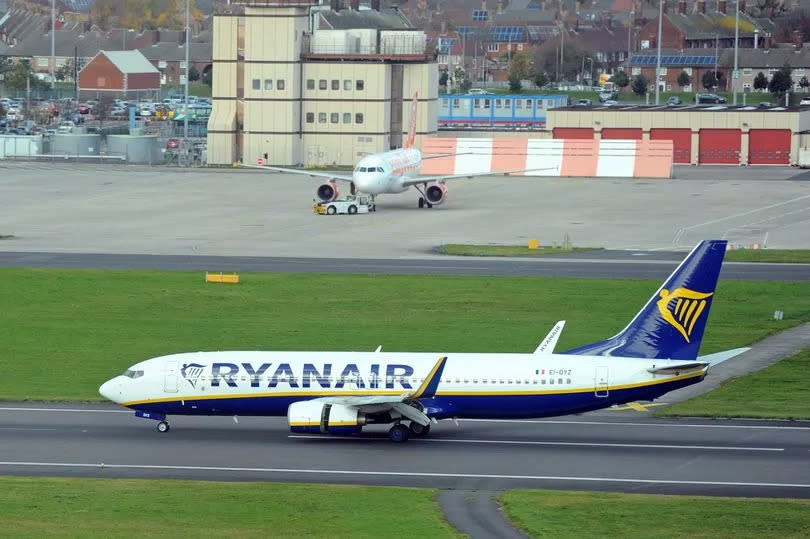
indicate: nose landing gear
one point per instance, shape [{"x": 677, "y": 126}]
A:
[{"x": 163, "y": 426}]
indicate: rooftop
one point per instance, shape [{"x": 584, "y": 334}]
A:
[{"x": 130, "y": 61}]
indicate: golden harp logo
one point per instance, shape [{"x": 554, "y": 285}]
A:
[{"x": 681, "y": 308}]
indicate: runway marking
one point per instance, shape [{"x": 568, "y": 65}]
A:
[
  {"x": 102, "y": 465},
  {"x": 25, "y": 428},
  {"x": 536, "y": 442},
  {"x": 93, "y": 410},
  {"x": 637, "y": 406},
  {"x": 625, "y": 424}
]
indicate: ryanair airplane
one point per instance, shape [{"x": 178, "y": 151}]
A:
[{"x": 340, "y": 392}]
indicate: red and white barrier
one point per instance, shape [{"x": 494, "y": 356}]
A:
[{"x": 549, "y": 157}]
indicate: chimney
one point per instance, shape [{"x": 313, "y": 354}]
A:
[
  {"x": 797, "y": 40},
  {"x": 682, "y": 7},
  {"x": 354, "y": 4},
  {"x": 701, "y": 6},
  {"x": 721, "y": 6},
  {"x": 375, "y": 5}
]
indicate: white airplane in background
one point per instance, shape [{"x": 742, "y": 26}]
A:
[
  {"x": 394, "y": 171},
  {"x": 340, "y": 392}
]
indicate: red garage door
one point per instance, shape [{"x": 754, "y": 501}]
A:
[
  {"x": 769, "y": 146},
  {"x": 573, "y": 132},
  {"x": 719, "y": 146},
  {"x": 615, "y": 133},
  {"x": 681, "y": 142}
]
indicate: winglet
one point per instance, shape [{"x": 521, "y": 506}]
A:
[
  {"x": 548, "y": 344},
  {"x": 431, "y": 383},
  {"x": 412, "y": 123}
]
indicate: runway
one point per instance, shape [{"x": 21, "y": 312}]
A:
[
  {"x": 604, "y": 265},
  {"x": 599, "y": 451}
]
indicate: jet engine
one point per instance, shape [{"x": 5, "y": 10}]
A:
[
  {"x": 436, "y": 193},
  {"x": 327, "y": 192},
  {"x": 317, "y": 417}
]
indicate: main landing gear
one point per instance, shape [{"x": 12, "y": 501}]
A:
[
  {"x": 423, "y": 201},
  {"x": 400, "y": 433},
  {"x": 163, "y": 426}
]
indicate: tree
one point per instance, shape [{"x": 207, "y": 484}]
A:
[
  {"x": 443, "y": 77},
  {"x": 640, "y": 85},
  {"x": 15, "y": 77},
  {"x": 102, "y": 109},
  {"x": 709, "y": 80},
  {"x": 760, "y": 81},
  {"x": 620, "y": 79},
  {"x": 65, "y": 71},
  {"x": 461, "y": 81},
  {"x": 547, "y": 58},
  {"x": 804, "y": 83},
  {"x": 522, "y": 66},
  {"x": 193, "y": 74},
  {"x": 781, "y": 81},
  {"x": 540, "y": 79},
  {"x": 515, "y": 86},
  {"x": 684, "y": 79}
]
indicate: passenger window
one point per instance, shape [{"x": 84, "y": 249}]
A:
[
  {"x": 310, "y": 117},
  {"x": 347, "y": 84},
  {"x": 475, "y": 381},
  {"x": 335, "y": 117},
  {"x": 321, "y": 117},
  {"x": 347, "y": 117},
  {"x": 280, "y": 84},
  {"x": 358, "y": 118},
  {"x": 359, "y": 85},
  {"x": 551, "y": 381},
  {"x": 335, "y": 84},
  {"x": 322, "y": 84},
  {"x": 268, "y": 84},
  {"x": 257, "y": 84},
  {"x": 568, "y": 381},
  {"x": 559, "y": 380},
  {"x": 310, "y": 84},
  {"x": 543, "y": 382}
]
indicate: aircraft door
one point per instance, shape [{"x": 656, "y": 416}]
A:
[
  {"x": 601, "y": 382},
  {"x": 170, "y": 377}
]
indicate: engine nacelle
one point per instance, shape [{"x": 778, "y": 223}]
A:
[
  {"x": 327, "y": 192},
  {"x": 321, "y": 418},
  {"x": 436, "y": 193}
]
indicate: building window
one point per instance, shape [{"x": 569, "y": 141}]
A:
[
  {"x": 101, "y": 82},
  {"x": 359, "y": 85},
  {"x": 528, "y": 103},
  {"x": 520, "y": 48},
  {"x": 347, "y": 85},
  {"x": 322, "y": 84},
  {"x": 182, "y": 64},
  {"x": 487, "y": 103},
  {"x": 347, "y": 117},
  {"x": 456, "y": 103},
  {"x": 688, "y": 71},
  {"x": 310, "y": 117},
  {"x": 335, "y": 84},
  {"x": 43, "y": 62},
  {"x": 257, "y": 84},
  {"x": 268, "y": 84},
  {"x": 321, "y": 117},
  {"x": 636, "y": 71},
  {"x": 477, "y": 103},
  {"x": 797, "y": 72},
  {"x": 162, "y": 64},
  {"x": 442, "y": 58},
  {"x": 335, "y": 117},
  {"x": 358, "y": 118},
  {"x": 747, "y": 71},
  {"x": 310, "y": 84},
  {"x": 497, "y": 103},
  {"x": 492, "y": 47},
  {"x": 518, "y": 103},
  {"x": 280, "y": 84}
]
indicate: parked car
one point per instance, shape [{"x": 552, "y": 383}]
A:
[
  {"x": 66, "y": 127},
  {"x": 674, "y": 100},
  {"x": 709, "y": 98},
  {"x": 804, "y": 102},
  {"x": 83, "y": 109},
  {"x": 608, "y": 95},
  {"x": 610, "y": 103},
  {"x": 583, "y": 103},
  {"x": 172, "y": 143},
  {"x": 479, "y": 91},
  {"x": 765, "y": 104}
]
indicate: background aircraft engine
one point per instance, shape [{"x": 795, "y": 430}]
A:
[
  {"x": 327, "y": 192},
  {"x": 318, "y": 417},
  {"x": 436, "y": 193}
]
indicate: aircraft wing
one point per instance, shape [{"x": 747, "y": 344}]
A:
[
  {"x": 548, "y": 344},
  {"x": 312, "y": 173},
  {"x": 441, "y": 179},
  {"x": 399, "y": 402}
]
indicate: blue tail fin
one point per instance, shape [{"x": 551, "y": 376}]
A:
[{"x": 671, "y": 324}]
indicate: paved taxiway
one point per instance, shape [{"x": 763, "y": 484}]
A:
[
  {"x": 606, "y": 450},
  {"x": 654, "y": 266}
]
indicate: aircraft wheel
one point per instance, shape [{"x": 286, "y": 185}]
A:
[
  {"x": 352, "y": 209},
  {"x": 421, "y": 202},
  {"x": 331, "y": 210},
  {"x": 419, "y": 430},
  {"x": 398, "y": 433},
  {"x": 163, "y": 426},
  {"x": 429, "y": 205}
]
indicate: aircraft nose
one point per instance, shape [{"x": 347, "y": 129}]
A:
[{"x": 110, "y": 390}]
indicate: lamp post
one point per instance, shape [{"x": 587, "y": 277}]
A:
[
  {"x": 185, "y": 114},
  {"x": 590, "y": 69},
  {"x": 53, "y": 45},
  {"x": 735, "y": 74},
  {"x": 658, "y": 56}
]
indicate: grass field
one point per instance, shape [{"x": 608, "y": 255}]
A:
[
  {"x": 67, "y": 331},
  {"x": 458, "y": 249},
  {"x": 546, "y": 513},
  {"x": 791, "y": 256},
  {"x": 67, "y": 507},
  {"x": 753, "y": 395}
]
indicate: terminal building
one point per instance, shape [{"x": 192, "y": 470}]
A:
[{"x": 317, "y": 83}]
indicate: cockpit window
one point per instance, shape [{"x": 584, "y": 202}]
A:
[
  {"x": 129, "y": 373},
  {"x": 361, "y": 169},
  {"x": 380, "y": 169}
]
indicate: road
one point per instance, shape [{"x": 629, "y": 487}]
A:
[
  {"x": 608, "y": 450},
  {"x": 611, "y": 264}
]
